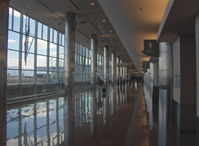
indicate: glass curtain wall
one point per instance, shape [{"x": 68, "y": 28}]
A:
[
  {"x": 83, "y": 63},
  {"x": 100, "y": 66},
  {"x": 35, "y": 51}
]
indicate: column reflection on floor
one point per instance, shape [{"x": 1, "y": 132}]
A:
[
  {"x": 43, "y": 122},
  {"x": 39, "y": 123}
]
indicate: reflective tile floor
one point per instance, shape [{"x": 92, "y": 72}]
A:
[
  {"x": 118, "y": 119},
  {"x": 103, "y": 121}
]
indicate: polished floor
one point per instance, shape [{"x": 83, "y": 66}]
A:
[
  {"x": 44, "y": 122},
  {"x": 119, "y": 119}
]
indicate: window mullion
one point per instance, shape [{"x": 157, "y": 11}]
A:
[
  {"x": 57, "y": 58},
  {"x": 48, "y": 54},
  {"x": 35, "y": 52},
  {"x": 20, "y": 48}
]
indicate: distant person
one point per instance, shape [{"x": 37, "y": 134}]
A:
[
  {"x": 99, "y": 82},
  {"x": 101, "y": 87}
]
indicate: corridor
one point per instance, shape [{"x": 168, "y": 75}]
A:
[{"x": 99, "y": 73}]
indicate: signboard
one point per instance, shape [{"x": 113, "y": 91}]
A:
[{"x": 151, "y": 48}]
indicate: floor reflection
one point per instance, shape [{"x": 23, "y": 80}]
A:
[{"x": 43, "y": 122}]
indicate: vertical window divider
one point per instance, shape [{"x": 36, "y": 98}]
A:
[
  {"x": 42, "y": 31},
  {"x": 57, "y": 58},
  {"x": 48, "y": 54},
  {"x": 35, "y": 52},
  {"x": 12, "y": 19},
  {"x": 20, "y": 48}
]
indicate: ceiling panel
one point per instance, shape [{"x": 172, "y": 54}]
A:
[{"x": 90, "y": 19}]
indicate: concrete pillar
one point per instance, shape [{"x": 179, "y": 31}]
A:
[
  {"x": 4, "y": 14},
  {"x": 197, "y": 73},
  {"x": 184, "y": 83},
  {"x": 165, "y": 65},
  {"x": 113, "y": 67},
  {"x": 69, "y": 79},
  {"x": 155, "y": 89},
  {"x": 155, "y": 70},
  {"x": 113, "y": 109},
  {"x": 117, "y": 69},
  {"x": 93, "y": 85},
  {"x": 106, "y": 75},
  {"x": 106, "y": 65},
  {"x": 117, "y": 80},
  {"x": 121, "y": 70},
  {"x": 121, "y": 79},
  {"x": 165, "y": 83}
]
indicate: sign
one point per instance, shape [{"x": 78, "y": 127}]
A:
[{"x": 151, "y": 48}]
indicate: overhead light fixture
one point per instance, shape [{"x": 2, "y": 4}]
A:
[
  {"x": 110, "y": 31},
  {"x": 92, "y": 4},
  {"x": 103, "y": 20}
]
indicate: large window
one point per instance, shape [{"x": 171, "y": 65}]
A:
[
  {"x": 35, "y": 51},
  {"x": 83, "y": 62},
  {"x": 100, "y": 66}
]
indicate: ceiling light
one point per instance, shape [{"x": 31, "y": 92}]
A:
[
  {"x": 92, "y": 4},
  {"x": 110, "y": 31},
  {"x": 103, "y": 20}
]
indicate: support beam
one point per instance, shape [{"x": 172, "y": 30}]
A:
[
  {"x": 165, "y": 65},
  {"x": 106, "y": 75},
  {"x": 93, "y": 85},
  {"x": 4, "y": 14},
  {"x": 165, "y": 84},
  {"x": 117, "y": 69},
  {"x": 113, "y": 87},
  {"x": 69, "y": 79},
  {"x": 197, "y": 73},
  {"x": 106, "y": 65},
  {"x": 184, "y": 83},
  {"x": 113, "y": 67}
]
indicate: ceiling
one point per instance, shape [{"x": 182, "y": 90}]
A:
[
  {"x": 129, "y": 22},
  {"x": 135, "y": 21},
  {"x": 90, "y": 20},
  {"x": 179, "y": 19}
]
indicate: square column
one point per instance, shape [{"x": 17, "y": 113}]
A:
[
  {"x": 113, "y": 67},
  {"x": 106, "y": 75},
  {"x": 106, "y": 66},
  {"x": 197, "y": 74},
  {"x": 184, "y": 82},
  {"x": 4, "y": 14},
  {"x": 117, "y": 69}
]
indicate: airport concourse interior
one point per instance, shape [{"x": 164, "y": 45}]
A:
[{"x": 99, "y": 73}]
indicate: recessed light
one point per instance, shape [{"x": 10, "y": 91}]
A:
[
  {"x": 92, "y": 4},
  {"x": 110, "y": 31},
  {"x": 103, "y": 20}
]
